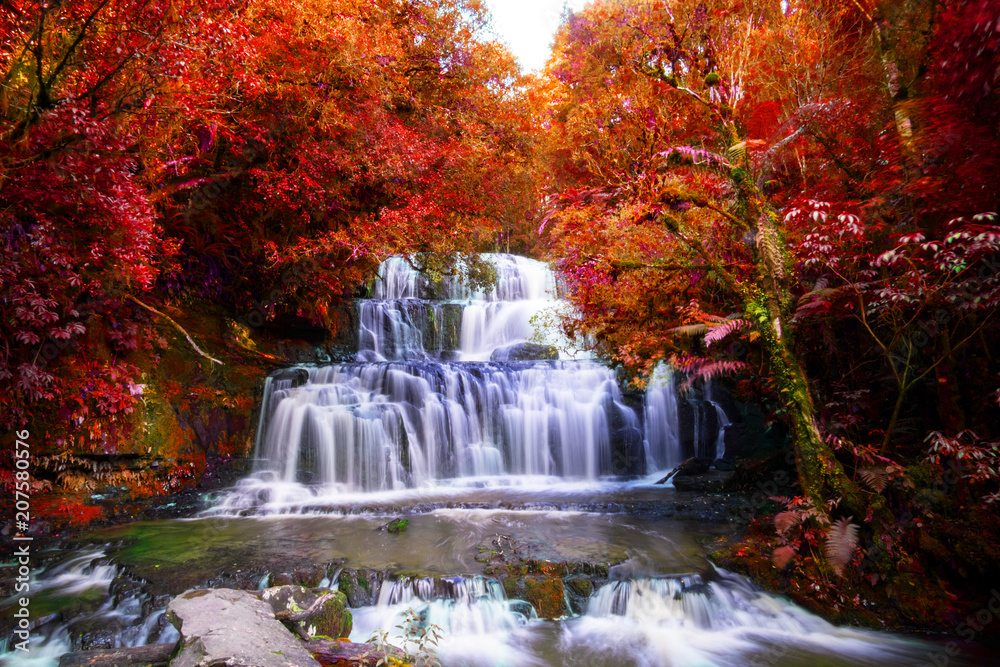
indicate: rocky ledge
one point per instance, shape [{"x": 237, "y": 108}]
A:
[{"x": 283, "y": 626}]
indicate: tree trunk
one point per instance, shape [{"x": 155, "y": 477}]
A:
[
  {"x": 152, "y": 655},
  {"x": 821, "y": 475}
]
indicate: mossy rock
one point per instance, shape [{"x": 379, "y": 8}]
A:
[
  {"x": 581, "y": 585},
  {"x": 308, "y": 577},
  {"x": 396, "y": 527},
  {"x": 546, "y": 595},
  {"x": 360, "y": 586},
  {"x": 335, "y": 619}
]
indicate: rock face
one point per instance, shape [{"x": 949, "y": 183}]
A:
[{"x": 232, "y": 628}]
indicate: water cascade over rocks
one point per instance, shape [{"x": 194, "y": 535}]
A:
[{"x": 452, "y": 386}]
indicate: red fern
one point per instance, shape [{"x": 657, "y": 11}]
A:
[
  {"x": 724, "y": 330},
  {"x": 700, "y": 368}
]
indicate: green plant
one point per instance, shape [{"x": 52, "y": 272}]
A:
[
  {"x": 423, "y": 637},
  {"x": 419, "y": 641}
]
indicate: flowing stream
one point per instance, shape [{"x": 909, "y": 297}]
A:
[{"x": 500, "y": 446}]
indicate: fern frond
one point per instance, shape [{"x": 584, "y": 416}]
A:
[
  {"x": 737, "y": 151},
  {"x": 876, "y": 478},
  {"x": 786, "y": 520},
  {"x": 699, "y": 368},
  {"x": 841, "y": 542},
  {"x": 690, "y": 330},
  {"x": 724, "y": 330},
  {"x": 782, "y": 556}
]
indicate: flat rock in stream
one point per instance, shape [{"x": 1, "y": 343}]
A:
[{"x": 232, "y": 628}]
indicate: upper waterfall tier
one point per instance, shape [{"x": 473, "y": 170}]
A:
[{"x": 412, "y": 317}]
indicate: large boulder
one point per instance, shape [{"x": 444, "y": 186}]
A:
[{"x": 232, "y": 628}]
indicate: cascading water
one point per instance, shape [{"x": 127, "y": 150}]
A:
[
  {"x": 722, "y": 419},
  {"x": 663, "y": 446},
  {"x": 401, "y": 417},
  {"x": 683, "y": 620},
  {"x": 106, "y": 618}
]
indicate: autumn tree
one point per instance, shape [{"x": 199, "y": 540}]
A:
[
  {"x": 689, "y": 196},
  {"x": 261, "y": 156},
  {"x": 379, "y": 128},
  {"x": 740, "y": 186}
]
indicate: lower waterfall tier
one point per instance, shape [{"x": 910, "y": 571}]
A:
[{"x": 386, "y": 426}]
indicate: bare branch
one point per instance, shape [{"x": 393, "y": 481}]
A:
[{"x": 177, "y": 326}]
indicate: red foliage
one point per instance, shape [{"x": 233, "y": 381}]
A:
[{"x": 63, "y": 511}]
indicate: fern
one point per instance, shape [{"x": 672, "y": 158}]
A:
[
  {"x": 841, "y": 542},
  {"x": 876, "y": 478},
  {"x": 699, "y": 368},
  {"x": 727, "y": 328},
  {"x": 690, "y": 330},
  {"x": 784, "y": 521},
  {"x": 782, "y": 556}
]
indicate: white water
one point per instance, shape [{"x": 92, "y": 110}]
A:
[
  {"x": 723, "y": 423},
  {"x": 684, "y": 621},
  {"x": 663, "y": 446},
  {"x": 83, "y": 575},
  {"x": 409, "y": 317},
  {"x": 664, "y": 621},
  {"x": 404, "y": 418}
]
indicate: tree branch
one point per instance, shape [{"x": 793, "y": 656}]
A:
[{"x": 177, "y": 326}]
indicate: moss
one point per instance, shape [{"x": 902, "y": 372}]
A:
[
  {"x": 398, "y": 526},
  {"x": 335, "y": 619},
  {"x": 546, "y": 595}
]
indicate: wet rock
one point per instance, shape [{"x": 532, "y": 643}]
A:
[
  {"x": 713, "y": 481},
  {"x": 360, "y": 586},
  {"x": 580, "y": 585},
  {"x": 579, "y": 588},
  {"x": 307, "y": 576},
  {"x": 451, "y": 326},
  {"x": 347, "y": 654},
  {"x": 525, "y": 352},
  {"x": 97, "y": 632},
  {"x": 233, "y": 628},
  {"x": 297, "y": 376},
  {"x": 153, "y": 655},
  {"x": 628, "y": 454},
  {"x": 691, "y": 467},
  {"x": 522, "y": 607}
]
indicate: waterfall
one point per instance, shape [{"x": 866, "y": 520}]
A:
[
  {"x": 663, "y": 447},
  {"x": 451, "y": 385},
  {"x": 88, "y": 577},
  {"x": 723, "y": 423},
  {"x": 410, "y": 317},
  {"x": 454, "y": 385},
  {"x": 473, "y": 614}
]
